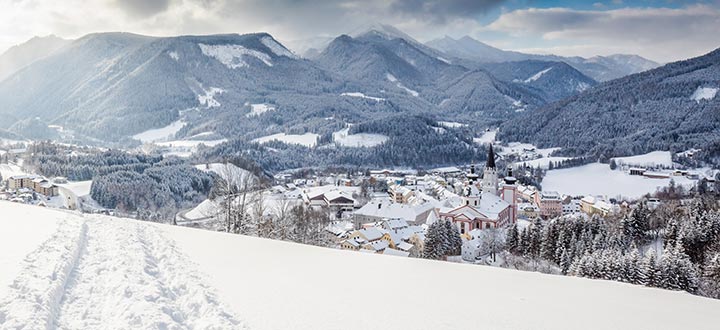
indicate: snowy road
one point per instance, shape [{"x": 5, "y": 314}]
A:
[{"x": 99, "y": 273}]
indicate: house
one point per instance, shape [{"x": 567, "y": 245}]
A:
[
  {"x": 400, "y": 194},
  {"x": 573, "y": 206},
  {"x": 335, "y": 199},
  {"x": 528, "y": 210},
  {"x": 377, "y": 211},
  {"x": 549, "y": 203}
]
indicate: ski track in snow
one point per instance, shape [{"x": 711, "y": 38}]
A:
[{"x": 101, "y": 274}]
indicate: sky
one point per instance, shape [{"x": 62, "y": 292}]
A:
[{"x": 661, "y": 30}]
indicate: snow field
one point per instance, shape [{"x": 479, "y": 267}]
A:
[
  {"x": 259, "y": 109},
  {"x": 33, "y": 300},
  {"x": 232, "y": 55},
  {"x": 363, "y": 96},
  {"x": 344, "y": 139},
  {"x": 98, "y": 272},
  {"x": 704, "y": 93},
  {"x": 599, "y": 179},
  {"x": 140, "y": 275},
  {"x": 159, "y": 134},
  {"x": 307, "y": 139},
  {"x": 651, "y": 159},
  {"x": 487, "y": 137}
]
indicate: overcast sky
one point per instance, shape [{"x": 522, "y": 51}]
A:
[{"x": 662, "y": 30}]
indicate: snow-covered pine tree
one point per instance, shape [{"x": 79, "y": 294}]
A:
[
  {"x": 632, "y": 266},
  {"x": 649, "y": 274},
  {"x": 454, "y": 241},
  {"x": 433, "y": 246},
  {"x": 565, "y": 261},
  {"x": 513, "y": 238}
]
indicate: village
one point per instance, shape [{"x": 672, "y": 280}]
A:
[{"x": 385, "y": 211}]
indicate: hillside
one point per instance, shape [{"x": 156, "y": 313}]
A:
[
  {"x": 94, "y": 271},
  {"x": 555, "y": 80},
  {"x": 673, "y": 107},
  {"x": 600, "y": 68},
  {"x": 19, "y": 56}
]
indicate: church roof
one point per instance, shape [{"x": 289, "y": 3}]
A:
[{"x": 491, "y": 158}]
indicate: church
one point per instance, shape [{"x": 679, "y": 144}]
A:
[{"x": 485, "y": 204}]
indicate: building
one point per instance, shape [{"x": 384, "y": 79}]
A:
[
  {"x": 482, "y": 205},
  {"x": 32, "y": 182},
  {"x": 549, "y": 203},
  {"x": 490, "y": 179},
  {"x": 377, "y": 211},
  {"x": 400, "y": 194}
]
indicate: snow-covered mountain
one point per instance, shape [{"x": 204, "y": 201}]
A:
[
  {"x": 81, "y": 271},
  {"x": 599, "y": 68},
  {"x": 19, "y": 56},
  {"x": 674, "y": 107},
  {"x": 556, "y": 80},
  {"x": 112, "y": 85},
  {"x": 381, "y": 59}
]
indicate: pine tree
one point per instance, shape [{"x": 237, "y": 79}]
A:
[
  {"x": 565, "y": 260},
  {"x": 434, "y": 241},
  {"x": 649, "y": 274},
  {"x": 513, "y": 238},
  {"x": 453, "y": 239}
]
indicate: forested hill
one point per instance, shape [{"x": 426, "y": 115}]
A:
[{"x": 674, "y": 107}]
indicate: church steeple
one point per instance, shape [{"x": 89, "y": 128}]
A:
[
  {"x": 491, "y": 158},
  {"x": 472, "y": 176}
]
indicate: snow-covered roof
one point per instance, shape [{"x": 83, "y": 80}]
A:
[
  {"x": 393, "y": 252},
  {"x": 395, "y": 211},
  {"x": 371, "y": 233}
]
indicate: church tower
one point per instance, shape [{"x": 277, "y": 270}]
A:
[
  {"x": 510, "y": 195},
  {"x": 471, "y": 192},
  {"x": 490, "y": 179}
]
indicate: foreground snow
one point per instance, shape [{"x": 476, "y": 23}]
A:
[
  {"x": 96, "y": 272},
  {"x": 90, "y": 272}
]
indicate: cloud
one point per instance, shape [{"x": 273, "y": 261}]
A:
[
  {"x": 664, "y": 34},
  {"x": 143, "y": 8},
  {"x": 441, "y": 11}
]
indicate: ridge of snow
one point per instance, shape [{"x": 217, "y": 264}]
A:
[
  {"x": 537, "y": 75},
  {"x": 392, "y": 78},
  {"x": 232, "y": 55},
  {"x": 174, "y": 55},
  {"x": 361, "y": 95},
  {"x": 276, "y": 48},
  {"x": 704, "y": 93}
]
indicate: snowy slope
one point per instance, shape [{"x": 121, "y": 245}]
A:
[
  {"x": 599, "y": 179},
  {"x": 307, "y": 139},
  {"x": 101, "y": 272},
  {"x": 651, "y": 159}
]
